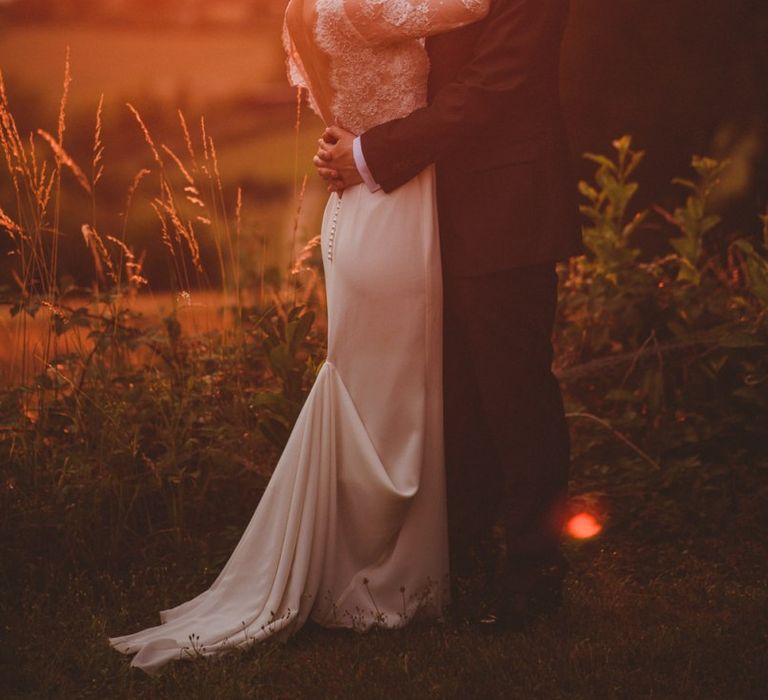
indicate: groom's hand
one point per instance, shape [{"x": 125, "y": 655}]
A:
[{"x": 335, "y": 161}]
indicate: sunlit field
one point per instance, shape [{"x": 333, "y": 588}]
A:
[
  {"x": 26, "y": 341},
  {"x": 162, "y": 320},
  {"x": 201, "y": 66}
]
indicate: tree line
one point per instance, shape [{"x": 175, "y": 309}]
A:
[{"x": 143, "y": 12}]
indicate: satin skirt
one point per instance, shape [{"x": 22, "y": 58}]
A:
[{"x": 351, "y": 530}]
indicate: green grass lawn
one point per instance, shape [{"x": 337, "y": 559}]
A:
[
  {"x": 670, "y": 601},
  {"x": 686, "y": 618}
]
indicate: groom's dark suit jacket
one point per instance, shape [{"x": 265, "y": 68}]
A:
[{"x": 506, "y": 195}]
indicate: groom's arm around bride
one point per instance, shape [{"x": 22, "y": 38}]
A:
[{"x": 495, "y": 130}]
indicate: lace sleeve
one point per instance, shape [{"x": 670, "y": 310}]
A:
[
  {"x": 297, "y": 74},
  {"x": 388, "y": 21},
  {"x": 295, "y": 69}
]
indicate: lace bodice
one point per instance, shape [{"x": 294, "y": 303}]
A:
[{"x": 363, "y": 61}]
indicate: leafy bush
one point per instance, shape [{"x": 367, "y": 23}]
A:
[
  {"x": 671, "y": 349},
  {"x": 709, "y": 305}
]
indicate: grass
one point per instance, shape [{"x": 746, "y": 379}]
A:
[
  {"x": 202, "y": 313},
  {"x": 680, "y": 618},
  {"x": 248, "y": 105}
]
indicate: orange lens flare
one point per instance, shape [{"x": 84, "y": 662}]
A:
[{"x": 583, "y": 526}]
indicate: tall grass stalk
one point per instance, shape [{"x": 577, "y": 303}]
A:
[{"x": 97, "y": 394}]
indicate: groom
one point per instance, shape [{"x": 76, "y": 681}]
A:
[{"x": 507, "y": 213}]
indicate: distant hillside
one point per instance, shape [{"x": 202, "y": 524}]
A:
[{"x": 144, "y": 12}]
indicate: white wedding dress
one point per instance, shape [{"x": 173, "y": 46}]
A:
[{"x": 351, "y": 530}]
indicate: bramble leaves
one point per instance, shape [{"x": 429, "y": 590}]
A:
[{"x": 690, "y": 324}]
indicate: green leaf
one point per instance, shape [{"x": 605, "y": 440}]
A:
[
  {"x": 688, "y": 184},
  {"x": 637, "y": 158},
  {"x": 740, "y": 339},
  {"x": 281, "y": 360},
  {"x": 275, "y": 431},
  {"x": 588, "y": 191},
  {"x": 61, "y": 324},
  {"x": 601, "y": 160},
  {"x": 301, "y": 330},
  {"x": 265, "y": 399},
  {"x": 622, "y": 395}
]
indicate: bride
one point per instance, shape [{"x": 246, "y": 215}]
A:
[{"x": 351, "y": 530}]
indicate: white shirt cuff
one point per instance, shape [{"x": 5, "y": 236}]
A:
[{"x": 362, "y": 166}]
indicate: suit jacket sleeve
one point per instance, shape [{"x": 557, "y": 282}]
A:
[{"x": 504, "y": 54}]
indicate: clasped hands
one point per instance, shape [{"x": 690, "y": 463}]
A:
[{"x": 335, "y": 160}]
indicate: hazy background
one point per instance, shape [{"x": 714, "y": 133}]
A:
[{"x": 683, "y": 76}]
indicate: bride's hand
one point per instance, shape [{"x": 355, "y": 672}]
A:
[{"x": 335, "y": 161}]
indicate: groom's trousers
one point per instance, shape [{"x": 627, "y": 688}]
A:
[{"x": 507, "y": 443}]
